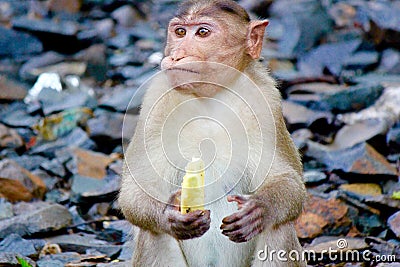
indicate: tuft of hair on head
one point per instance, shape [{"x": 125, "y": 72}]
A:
[{"x": 204, "y": 8}]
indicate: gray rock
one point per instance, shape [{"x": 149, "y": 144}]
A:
[
  {"x": 15, "y": 243},
  {"x": 394, "y": 223},
  {"x": 49, "y": 217},
  {"x": 53, "y": 101},
  {"x": 108, "y": 128},
  {"x": 331, "y": 56},
  {"x": 5, "y": 209},
  {"x": 58, "y": 260},
  {"x": 66, "y": 28},
  {"x": 45, "y": 59},
  {"x": 77, "y": 138},
  {"x": 54, "y": 167},
  {"x": 304, "y": 23},
  {"x": 390, "y": 61},
  {"x": 122, "y": 228},
  {"x": 118, "y": 99},
  {"x": 362, "y": 60},
  {"x": 125, "y": 16},
  {"x": 49, "y": 263},
  {"x": 104, "y": 27},
  {"x": 14, "y": 43},
  {"x": 16, "y": 115},
  {"x": 31, "y": 162},
  {"x": 361, "y": 159},
  {"x": 10, "y": 259},
  {"x": 82, "y": 242},
  {"x": 311, "y": 177},
  {"x": 127, "y": 251},
  {"x": 93, "y": 190}
]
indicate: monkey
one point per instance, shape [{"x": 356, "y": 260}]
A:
[{"x": 214, "y": 99}]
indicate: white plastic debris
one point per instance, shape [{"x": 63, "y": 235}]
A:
[{"x": 45, "y": 80}]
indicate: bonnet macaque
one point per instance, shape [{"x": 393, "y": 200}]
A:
[{"x": 214, "y": 100}]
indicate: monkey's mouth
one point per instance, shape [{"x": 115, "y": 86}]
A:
[{"x": 183, "y": 70}]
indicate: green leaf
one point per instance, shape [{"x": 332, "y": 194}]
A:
[
  {"x": 23, "y": 262},
  {"x": 396, "y": 195}
]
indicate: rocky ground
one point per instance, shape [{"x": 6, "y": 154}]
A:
[{"x": 69, "y": 68}]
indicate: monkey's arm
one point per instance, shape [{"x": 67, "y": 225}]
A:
[
  {"x": 153, "y": 215},
  {"x": 278, "y": 201}
]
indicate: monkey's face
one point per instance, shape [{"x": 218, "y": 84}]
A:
[{"x": 194, "y": 44}]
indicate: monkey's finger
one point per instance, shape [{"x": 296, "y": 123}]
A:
[
  {"x": 188, "y": 218},
  {"x": 241, "y": 200},
  {"x": 174, "y": 199},
  {"x": 189, "y": 234},
  {"x": 244, "y": 221},
  {"x": 240, "y": 214},
  {"x": 245, "y": 233},
  {"x": 200, "y": 222}
]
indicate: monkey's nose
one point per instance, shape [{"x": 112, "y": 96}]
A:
[{"x": 178, "y": 55}]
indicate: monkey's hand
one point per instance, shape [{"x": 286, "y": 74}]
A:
[
  {"x": 248, "y": 222},
  {"x": 185, "y": 226}
]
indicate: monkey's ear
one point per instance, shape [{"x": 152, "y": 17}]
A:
[{"x": 255, "y": 37}]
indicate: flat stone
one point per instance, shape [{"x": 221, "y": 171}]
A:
[
  {"x": 362, "y": 60},
  {"x": 311, "y": 177},
  {"x": 298, "y": 37},
  {"x": 13, "y": 43},
  {"x": 361, "y": 190},
  {"x": 30, "y": 162},
  {"x": 62, "y": 69},
  {"x": 118, "y": 99},
  {"x": 67, "y": 28},
  {"x": 331, "y": 56},
  {"x": 108, "y": 129},
  {"x": 15, "y": 243},
  {"x": 46, "y": 218},
  {"x": 394, "y": 223},
  {"x": 322, "y": 213},
  {"x": 53, "y": 101},
  {"x": 92, "y": 190},
  {"x": 71, "y": 6},
  {"x": 77, "y": 138},
  {"x": 125, "y": 16},
  {"x": 352, "y": 134},
  {"x": 9, "y": 138},
  {"x": 54, "y": 167},
  {"x": 91, "y": 164},
  {"x": 82, "y": 242},
  {"x": 58, "y": 260},
  {"x": 121, "y": 228},
  {"x": 361, "y": 158},
  {"x": 300, "y": 115},
  {"x": 390, "y": 61},
  {"x": 11, "y": 89},
  {"x": 6, "y": 209},
  {"x": 42, "y": 60},
  {"x": 16, "y": 115},
  {"x": 10, "y": 259},
  {"x": 10, "y": 170},
  {"x": 13, "y": 190},
  {"x": 369, "y": 224}
]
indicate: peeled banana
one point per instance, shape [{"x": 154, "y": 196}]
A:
[{"x": 192, "y": 195}]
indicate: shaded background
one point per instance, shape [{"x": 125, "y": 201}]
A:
[{"x": 68, "y": 69}]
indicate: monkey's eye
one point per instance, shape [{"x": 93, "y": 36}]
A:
[
  {"x": 203, "y": 32},
  {"x": 180, "y": 32}
]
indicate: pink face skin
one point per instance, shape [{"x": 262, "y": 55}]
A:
[{"x": 193, "y": 43}]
